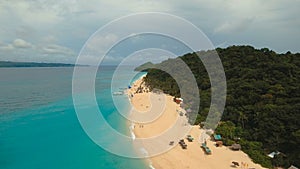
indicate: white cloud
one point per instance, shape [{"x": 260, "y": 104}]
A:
[
  {"x": 6, "y": 47},
  {"x": 16, "y": 44},
  {"x": 32, "y": 12},
  {"x": 20, "y": 43},
  {"x": 143, "y": 6},
  {"x": 57, "y": 49},
  {"x": 71, "y": 22}
]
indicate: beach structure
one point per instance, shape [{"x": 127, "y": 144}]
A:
[
  {"x": 217, "y": 137},
  {"x": 157, "y": 91},
  {"x": 178, "y": 100},
  {"x": 179, "y": 156},
  {"x": 236, "y": 147},
  {"x": 139, "y": 89},
  {"x": 273, "y": 154},
  {"x": 293, "y": 167},
  {"x": 219, "y": 143}
]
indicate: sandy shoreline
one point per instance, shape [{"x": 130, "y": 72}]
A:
[{"x": 145, "y": 104}]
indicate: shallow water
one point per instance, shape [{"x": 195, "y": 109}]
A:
[{"x": 39, "y": 127}]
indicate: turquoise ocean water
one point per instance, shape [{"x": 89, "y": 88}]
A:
[{"x": 39, "y": 128}]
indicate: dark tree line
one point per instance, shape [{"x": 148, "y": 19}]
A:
[
  {"x": 33, "y": 64},
  {"x": 262, "y": 102}
]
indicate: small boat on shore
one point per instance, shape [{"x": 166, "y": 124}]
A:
[{"x": 118, "y": 93}]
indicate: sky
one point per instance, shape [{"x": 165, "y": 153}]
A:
[{"x": 56, "y": 30}]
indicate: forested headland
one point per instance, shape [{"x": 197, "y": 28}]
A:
[
  {"x": 262, "y": 100},
  {"x": 33, "y": 64}
]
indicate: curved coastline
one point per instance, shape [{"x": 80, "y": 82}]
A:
[
  {"x": 130, "y": 124},
  {"x": 131, "y": 127},
  {"x": 177, "y": 158}
]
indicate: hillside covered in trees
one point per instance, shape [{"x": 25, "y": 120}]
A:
[
  {"x": 33, "y": 64},
  {"x": 262, "y": 101}
]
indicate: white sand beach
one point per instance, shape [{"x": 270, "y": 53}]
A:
[{"x": 177, "y": 158}]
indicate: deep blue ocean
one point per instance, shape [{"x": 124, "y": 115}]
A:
[{"x": 39, "y": 128}]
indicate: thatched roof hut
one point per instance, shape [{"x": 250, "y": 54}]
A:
[
  {"x": 236, "y": 147},
  {"x": 219, "y": 143},
  {"x": 217, "y": 137},
  {"x": 292, "y": 167}
]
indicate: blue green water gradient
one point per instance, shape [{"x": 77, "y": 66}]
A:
[{"x": 39, "y": 127}]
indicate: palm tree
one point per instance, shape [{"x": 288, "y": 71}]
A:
[{"x": 242, "y": 118}]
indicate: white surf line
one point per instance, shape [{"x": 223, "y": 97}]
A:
[
  {"x": 131, "y": 131},
  {"x": 150, "y": 165},
  {"x": 145, "y": 152}
]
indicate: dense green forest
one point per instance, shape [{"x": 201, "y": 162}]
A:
[
  {"x": 262, "y": 102},
  {"x": 32, "y": 64}
]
